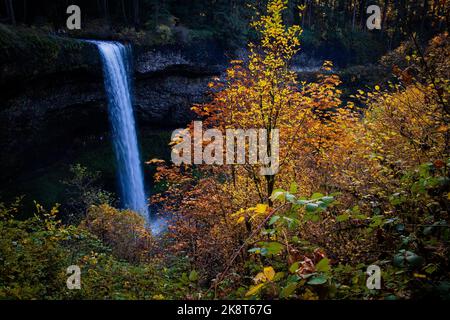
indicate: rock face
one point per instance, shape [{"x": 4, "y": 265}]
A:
[
  {"x": 48, "y": 107},
  {"x": 166, "y": 99},
  {"x": 169, "y": 80}
]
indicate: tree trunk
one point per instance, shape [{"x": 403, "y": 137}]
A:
[
  {"x": 354, "y": 17},
  {"x": 124, "y": 11},
  {"x": 136, "y": 14},
  {"x": 310, "y": 13},
  {"x": 362, "y": 13},
  {"x": 397, "y": 21},
  {"x": 24, "y": 16},
  {"x": 304, "y": 14},
  {"x": 10, "y": 11},
  {"x": 424, "y": 14},
  {"x": 383, "y": 18},
  {"x": 106, "y": 12}
]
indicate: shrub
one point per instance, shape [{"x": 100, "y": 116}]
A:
[
  {"x": 124, "y": 231},
  {"x": 35, "y": 254},
  {"x": 83, "y": 191}
]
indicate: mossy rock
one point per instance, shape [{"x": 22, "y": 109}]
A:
[{"x": 28, "y": 53}]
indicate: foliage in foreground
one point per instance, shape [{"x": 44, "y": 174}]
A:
[{"x": 35, "y": 254}]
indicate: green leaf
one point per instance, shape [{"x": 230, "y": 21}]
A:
[
  {"x": 414, "y": 260},
  {"x": 312, "y": 217},
  {"x": 355, "y": 210},
  {"x": 431, "y": 268},
  {"x": 273, "y": 220},
  {"x": 317, "y": 280},
  {"x": 293, "y": 188},
  {"x": 270, "y": 248},
  {"x": 311, "y": 207},
  {"x": 254, "y": 250},
  {"x": 278, "y": 276},
  {"x": 328, "y": 199},
  {"x": 290, "y": 197},
  {"x": 288, "y": 290},
  {"x": 316, "y": 195},
  {"x": 291, "y": 222},
  {"x": 184, "y": 278},
  {"x": 342, "y": 217},
  {"x": 193, "y": 276},
  {"x": 321, "y": 204},
  {"x": 323, "y": 265},
  {"x": 278, "y": 194},
  {"x": 409, "y": 258},
  {"x": 376, "y": 221},
  {"x": 294, "y": 267}
]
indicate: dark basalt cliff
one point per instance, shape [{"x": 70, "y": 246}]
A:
[{"x": 51, "y": 91}]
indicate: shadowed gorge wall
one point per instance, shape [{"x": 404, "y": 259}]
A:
[{"x": 51, "y": 105}]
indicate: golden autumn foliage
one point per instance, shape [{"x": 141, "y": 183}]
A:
[
  {"x": 371, "y": 160},
  {"x": 123, "y": 230},
  {"x": 259, "y": 93}
]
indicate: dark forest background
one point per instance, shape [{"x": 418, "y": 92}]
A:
[{"x": 338, "y": 25}]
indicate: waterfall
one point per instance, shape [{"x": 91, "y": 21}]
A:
[{"x": 116, "y": 61}]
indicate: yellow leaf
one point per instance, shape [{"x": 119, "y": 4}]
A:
[
  {"x": 261, "y": 208},
  {"x": 254, "y": 289},
  {"x": 241, "y": 219},
  {"x": 260, "y": 277},
  {"x": 155, "y": 161},
  {"x": 269, "y": 273},
  {"x": 239, "y": 212}
]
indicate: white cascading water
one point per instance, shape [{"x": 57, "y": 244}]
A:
[{"x": 116, "y": 60}]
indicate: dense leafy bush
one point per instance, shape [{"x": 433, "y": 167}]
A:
[
  {"x": 122, "y": 230},
  {"x": 35, "y": 254}
]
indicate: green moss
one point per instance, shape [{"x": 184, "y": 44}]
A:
[{"x": 27, "y": 52}]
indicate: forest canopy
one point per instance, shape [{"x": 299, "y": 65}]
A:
[{"x": 338, "y": 26}]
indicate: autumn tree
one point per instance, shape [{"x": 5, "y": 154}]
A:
[{"x": 260, "y": 92}]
